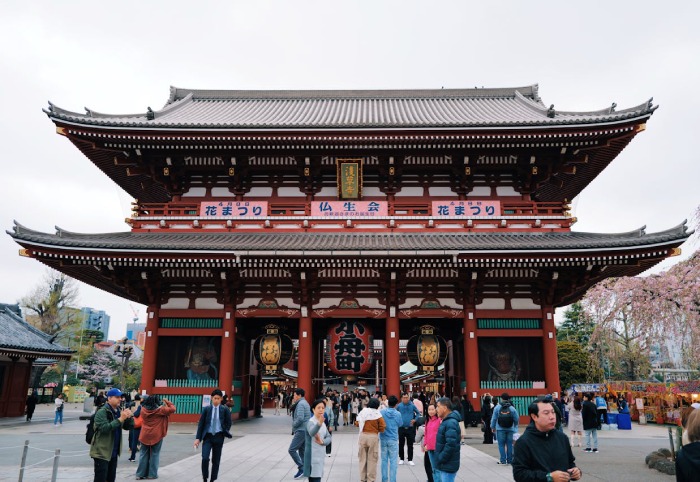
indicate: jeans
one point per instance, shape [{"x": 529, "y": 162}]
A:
[
  {"x": 296, "y": 448},
  {"x": 105, "y": 470},
  {"x": 505, "y": 445},
  {"x": 211, "y": 444},
  {"x": 58, "y": 418},
  {"x": 407, "y": 435},
  {"x": 149, "y": 458},
  {"x": 446, "y": 476},
  {"x": 390, "y": 459},
  {"x": 588, "y": 433},
  {"x": 436, "y": 473}
]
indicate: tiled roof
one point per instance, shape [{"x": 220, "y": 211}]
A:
[
  {"x": 352, "y": 109},
  {"x": 310, "y": 243},
  {"x": 18, "y": 335}
]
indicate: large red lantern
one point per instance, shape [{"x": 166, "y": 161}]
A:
[
  {"x": 272, "y": 350},
  {"x": 349, "y": 348},
  {"x": 427, "y": 351}
]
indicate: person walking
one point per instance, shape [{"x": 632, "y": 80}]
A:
[
  {"x": 106, "y": 445},
  {"x": 58, "y": 408},
  {"x": 329, "y": 418},
  {"x": 432, "y": 423},
  {"x": 214, "y": 425},
  {"x": 317, "y": 434},
  {"x": 389, "y": 439},
  {"x": 154, "y": 428},
  {"x": 371, "y": 425},
  {"x": 486, "y": 414},
  {"x": 135, "y": 432},
  {"x": 504, "y": 422},
  {"x": 688, "y": 458},
  {"x": 589, "y": 414},
  {"x": 407, "y": 431},
  {"x": 301, "y": 413},
  {"x": 345, "y": 407},
  {"x": 575, "y": 421},
  {"x": 354, "y": 409},
  {"x": 543, "y": 451},
  {"x": 447, "y": 443},
  {"x": 32, "y": 400}
]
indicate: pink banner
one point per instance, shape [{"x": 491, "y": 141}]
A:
[
  {"x": 233, "y": 209},
  {"x": 466, "y": 208},
  {"x": 349, "y": 209}
]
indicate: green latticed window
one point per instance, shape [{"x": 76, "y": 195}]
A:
[
  {"x": 191, "y": 322},
  {"x": 509, "y": 323}
]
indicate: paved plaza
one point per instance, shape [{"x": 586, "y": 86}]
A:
[{"x": 258, "y": 452}]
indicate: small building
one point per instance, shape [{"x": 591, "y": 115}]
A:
[{"x": 20, "y": 346}]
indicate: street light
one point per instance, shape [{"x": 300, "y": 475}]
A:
[{"x": 123, "y": 350}]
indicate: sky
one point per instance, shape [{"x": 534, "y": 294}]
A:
[{"x": 122, "y": 57}]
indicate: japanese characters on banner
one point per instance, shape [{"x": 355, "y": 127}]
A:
[
  {"x": 350, "y": 348},
  {"x": 233, "y": 209},
  {"x": 466, "y": 208},
  {"x": 354, "y": 209}
]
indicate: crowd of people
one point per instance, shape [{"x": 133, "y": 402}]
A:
[{"x": 388, "y": 428}]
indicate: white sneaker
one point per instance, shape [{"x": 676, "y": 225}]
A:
[
  {"x": 328, "y": 455},
  {"x": 410, "y": 462},
  {"x": 400, "y": 462}
]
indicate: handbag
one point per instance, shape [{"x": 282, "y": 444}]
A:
[{"x": 138, "y": 422}]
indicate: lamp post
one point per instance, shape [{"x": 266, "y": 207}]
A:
[{"x": 123, "y": 349}]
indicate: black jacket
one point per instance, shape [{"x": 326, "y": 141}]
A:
[
  {"x": 205, "y": 419},
  {"x": 589, "y": 413},
  {"x": 539, "y": 453},
  {"x": 447, "y": 443},
  {"x": 688, "y": 463}
]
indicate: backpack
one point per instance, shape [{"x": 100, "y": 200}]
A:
[
  {"x": 90, "y": 430},
  {"x": 505, "y": 417}
]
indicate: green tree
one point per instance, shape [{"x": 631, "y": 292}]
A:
[
  {"x": 577, "y": 325},
  {"x": 576, "y": 365}
]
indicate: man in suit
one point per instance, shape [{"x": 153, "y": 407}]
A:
[{"x": 214, "y": 425}]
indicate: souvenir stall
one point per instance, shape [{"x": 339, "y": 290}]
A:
[
  {"x": 686, "y": 393},
  {"x": 651, "y": 401}
]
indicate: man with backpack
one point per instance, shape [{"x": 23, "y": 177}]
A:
[
  {"x": 504, "y": 422},
  {"x": 106, "y": 440}
]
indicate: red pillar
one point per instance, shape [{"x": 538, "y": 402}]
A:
[
  {"x": 392, "y": 362},
  {"x": 549, "y": 348},
  {"x": 150, "y": 350},
  {"x": 305, "y": 357},
  {"x": 228, "y": 347},
  {"x": 471, "y": 357}
]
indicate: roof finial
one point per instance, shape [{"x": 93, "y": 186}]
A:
[
  {"x": 550, "y": 111},
  {"x": 150, "y": 115},
  {"x": 612, "y": 107}
]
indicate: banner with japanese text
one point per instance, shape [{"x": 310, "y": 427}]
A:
[
  {"x": 233, "y": 209},
  {"x": 355, "y": 209},
  {"x": 466, "y": 208}
]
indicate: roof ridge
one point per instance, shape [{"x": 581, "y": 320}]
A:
[{"x": 219, "y": 94}]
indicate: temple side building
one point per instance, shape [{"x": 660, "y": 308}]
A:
[{"x": 432, "y": 224}]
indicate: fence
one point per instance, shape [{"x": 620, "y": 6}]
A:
[{"x": 24, "y": 468}]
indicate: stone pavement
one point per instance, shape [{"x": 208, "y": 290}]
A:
[{"x": 258, "y": 452}]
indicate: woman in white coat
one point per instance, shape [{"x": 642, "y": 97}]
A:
[{"x": 317, "y": 437}]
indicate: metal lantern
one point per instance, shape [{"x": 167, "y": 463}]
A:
[
  {"x": 427, "y": 350},
  {"x": 349, "y": 348},
  {"x": 272, "y": 350}
]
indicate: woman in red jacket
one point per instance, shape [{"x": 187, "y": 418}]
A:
[
  {"x": 432, "y": 422},
  {"x": 154, "y": 428}
]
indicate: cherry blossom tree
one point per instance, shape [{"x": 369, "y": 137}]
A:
[
  {"x": 98, "y": 368},
  {"x": 632, "y": 314}
]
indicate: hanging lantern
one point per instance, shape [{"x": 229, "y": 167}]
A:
[
  {"x": 272, "y": 350},
  {"x": 427, "y": 351},
  {"x": 350, "y": 347}
]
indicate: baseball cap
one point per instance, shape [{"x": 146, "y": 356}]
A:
[{"x": 114, "y": 392}]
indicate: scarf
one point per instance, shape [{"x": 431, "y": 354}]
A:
[{"x": 367, "y": 414}]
